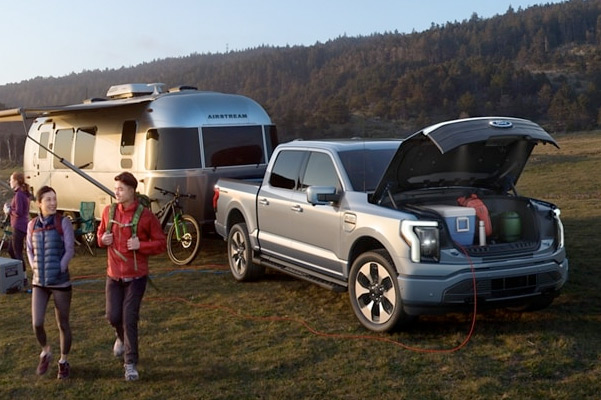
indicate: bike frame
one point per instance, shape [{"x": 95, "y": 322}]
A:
[{"x": 172, "y": 209}]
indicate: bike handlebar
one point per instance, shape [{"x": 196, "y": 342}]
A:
[{"x": 175, "y": 194}]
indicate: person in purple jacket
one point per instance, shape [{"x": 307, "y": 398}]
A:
[{"x": 19, "y": 217}]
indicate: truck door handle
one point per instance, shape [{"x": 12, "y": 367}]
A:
[
  {"x": 296, "y": 208},
  {"x": 264, "y": 202}
]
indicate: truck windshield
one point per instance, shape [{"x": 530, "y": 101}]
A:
[
  {"x": 365, "y": 167},
  {"x": 233, "y": 145}
]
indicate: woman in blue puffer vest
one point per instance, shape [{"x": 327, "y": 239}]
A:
[{"x": 50, "y": 247}]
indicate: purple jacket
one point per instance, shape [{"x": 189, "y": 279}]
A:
[{"x": 19, "y": 210}]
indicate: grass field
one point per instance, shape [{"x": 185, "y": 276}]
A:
[{"x": 204, "y": 336}]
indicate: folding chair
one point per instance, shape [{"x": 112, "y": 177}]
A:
[{"x": 86, "y": 223}]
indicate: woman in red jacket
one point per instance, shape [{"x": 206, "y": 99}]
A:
[{"x": 127, "y": 271}]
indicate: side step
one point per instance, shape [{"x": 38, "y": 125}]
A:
[{"x": 293, "y": 270}]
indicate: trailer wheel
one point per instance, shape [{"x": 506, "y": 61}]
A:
[
  {"x": 374, "y": 292},
  {"x": 239, "y": 255}
]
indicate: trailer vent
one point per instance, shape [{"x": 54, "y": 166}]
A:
[
  {"x": 181, "y": 88},
  {"x": 128, "y": 90},
  {"x": 93, "y": 100}
]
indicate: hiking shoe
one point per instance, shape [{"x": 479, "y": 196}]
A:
[
  {"x": 118, "y": 348},
  {"x": 131, "y": 373},
  {"x": 63, "y": 370},
  {"x": 44, "y": 363}
]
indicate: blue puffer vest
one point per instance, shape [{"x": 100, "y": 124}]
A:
[{"x": 48, "y": 250}]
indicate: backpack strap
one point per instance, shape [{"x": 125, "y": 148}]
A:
[
  {"x": 109, "y": 223},
  {"x": 135, "y": 219},
  {"x": 58, "y": 223}
]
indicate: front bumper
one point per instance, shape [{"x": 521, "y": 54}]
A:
[{"x": 495, "y": 287}]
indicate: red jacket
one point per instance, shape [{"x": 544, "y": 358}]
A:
[{"x": 123, "y": 263}]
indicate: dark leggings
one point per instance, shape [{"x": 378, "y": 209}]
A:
[
  {"x": 62, "y": 305},
  {"x": 16, "y": 246}
]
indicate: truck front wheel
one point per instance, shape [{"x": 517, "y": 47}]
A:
[
  {"x": 239, "y": 254},
  {"x": 374, "y": 292}
]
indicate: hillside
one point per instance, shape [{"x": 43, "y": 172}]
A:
[{"x": 540, "y": 63}]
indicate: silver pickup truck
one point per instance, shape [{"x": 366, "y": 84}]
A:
[{"x": 384, "y": 220}]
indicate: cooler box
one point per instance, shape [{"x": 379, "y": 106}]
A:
[
  {"x": 461, "y": 222},
  {"x": 11, "y": 275}
]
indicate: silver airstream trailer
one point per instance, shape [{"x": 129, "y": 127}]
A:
[{"x": 182, "y": 139}]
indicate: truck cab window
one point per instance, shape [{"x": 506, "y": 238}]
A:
[
  {"x": 286, "y": 169},
  {"x": 320, "y": 171},
  {"x": 128, "y": 137},
  {"x": 63, "y": 143},
  {"x": 85, "y": 138}
]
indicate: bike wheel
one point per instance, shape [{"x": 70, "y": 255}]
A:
[{"x": 183, "y": 250}]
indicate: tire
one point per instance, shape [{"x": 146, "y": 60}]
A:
[
  {"x": 182, "y": 252},
  {"x": 374, "y": 292},
  {"x": 239, "y": 255}
]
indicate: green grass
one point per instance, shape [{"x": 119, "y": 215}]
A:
[{"x": 204, "y": 336}]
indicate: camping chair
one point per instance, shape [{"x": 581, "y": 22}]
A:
[{"x": 86, "y": 231}]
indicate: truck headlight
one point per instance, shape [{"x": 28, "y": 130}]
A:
[
  {"x": 422, "y": 238},
  {"x": 560, "y": 234},
  {"x": 428, "y": 242}
]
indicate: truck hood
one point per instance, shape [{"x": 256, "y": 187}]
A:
[{"x": 488, "y": 153}]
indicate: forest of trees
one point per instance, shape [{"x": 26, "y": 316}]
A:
[{"x": 542, "y": 63}]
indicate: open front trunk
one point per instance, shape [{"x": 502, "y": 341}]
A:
[{"x": 520, "y": 226}]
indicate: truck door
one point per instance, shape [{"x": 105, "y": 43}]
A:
[
  {"x": 315, "y": 230},
  {"x": 273, "y": 203}
]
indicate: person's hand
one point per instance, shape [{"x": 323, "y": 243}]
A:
[
  {"x": 133, "y": 243},
  {"x": 6, "y": 208},
  {"x": 107, "y": 239}
]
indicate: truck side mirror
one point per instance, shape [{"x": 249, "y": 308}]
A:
[{"x": 322, "y": 195}]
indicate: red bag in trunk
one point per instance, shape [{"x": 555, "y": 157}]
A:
[{"x": 481, "y": 211}]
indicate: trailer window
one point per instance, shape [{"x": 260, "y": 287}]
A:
[
  {"x": 63, "y": 142},
  {"x": 85, "y": 138},
  {"x": 271, "y": 139},
  {"x": 233, "y": 145},
  {"x": 43, "y": 153},
  {"x": 172, "y": 148},
  {"x": 128, "y": 137}
]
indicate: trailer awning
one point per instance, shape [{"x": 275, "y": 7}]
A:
[{"x": 18, "y": 114}]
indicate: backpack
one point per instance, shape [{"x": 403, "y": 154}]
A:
[
  {"x": 143, "y": 202},
  {"x": 481, "y": 211},
  {"x": 57, "y": 224},
  {"x": 134, "y": 221}
]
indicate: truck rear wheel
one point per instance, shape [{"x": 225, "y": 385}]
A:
[
  {"x": 239, "y": 255},
  {"x": 374, "y": 292}
]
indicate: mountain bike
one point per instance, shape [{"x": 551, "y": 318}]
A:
[
  {"x": 183, "y": 234},
  {"x": 6, "y": 233}
]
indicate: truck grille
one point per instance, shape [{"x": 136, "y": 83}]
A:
[
  {"x": 500, "y": 288},
  {"x": 515, "y": 249}
]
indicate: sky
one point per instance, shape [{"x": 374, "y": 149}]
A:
[{"x": 56, "y": 38}]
